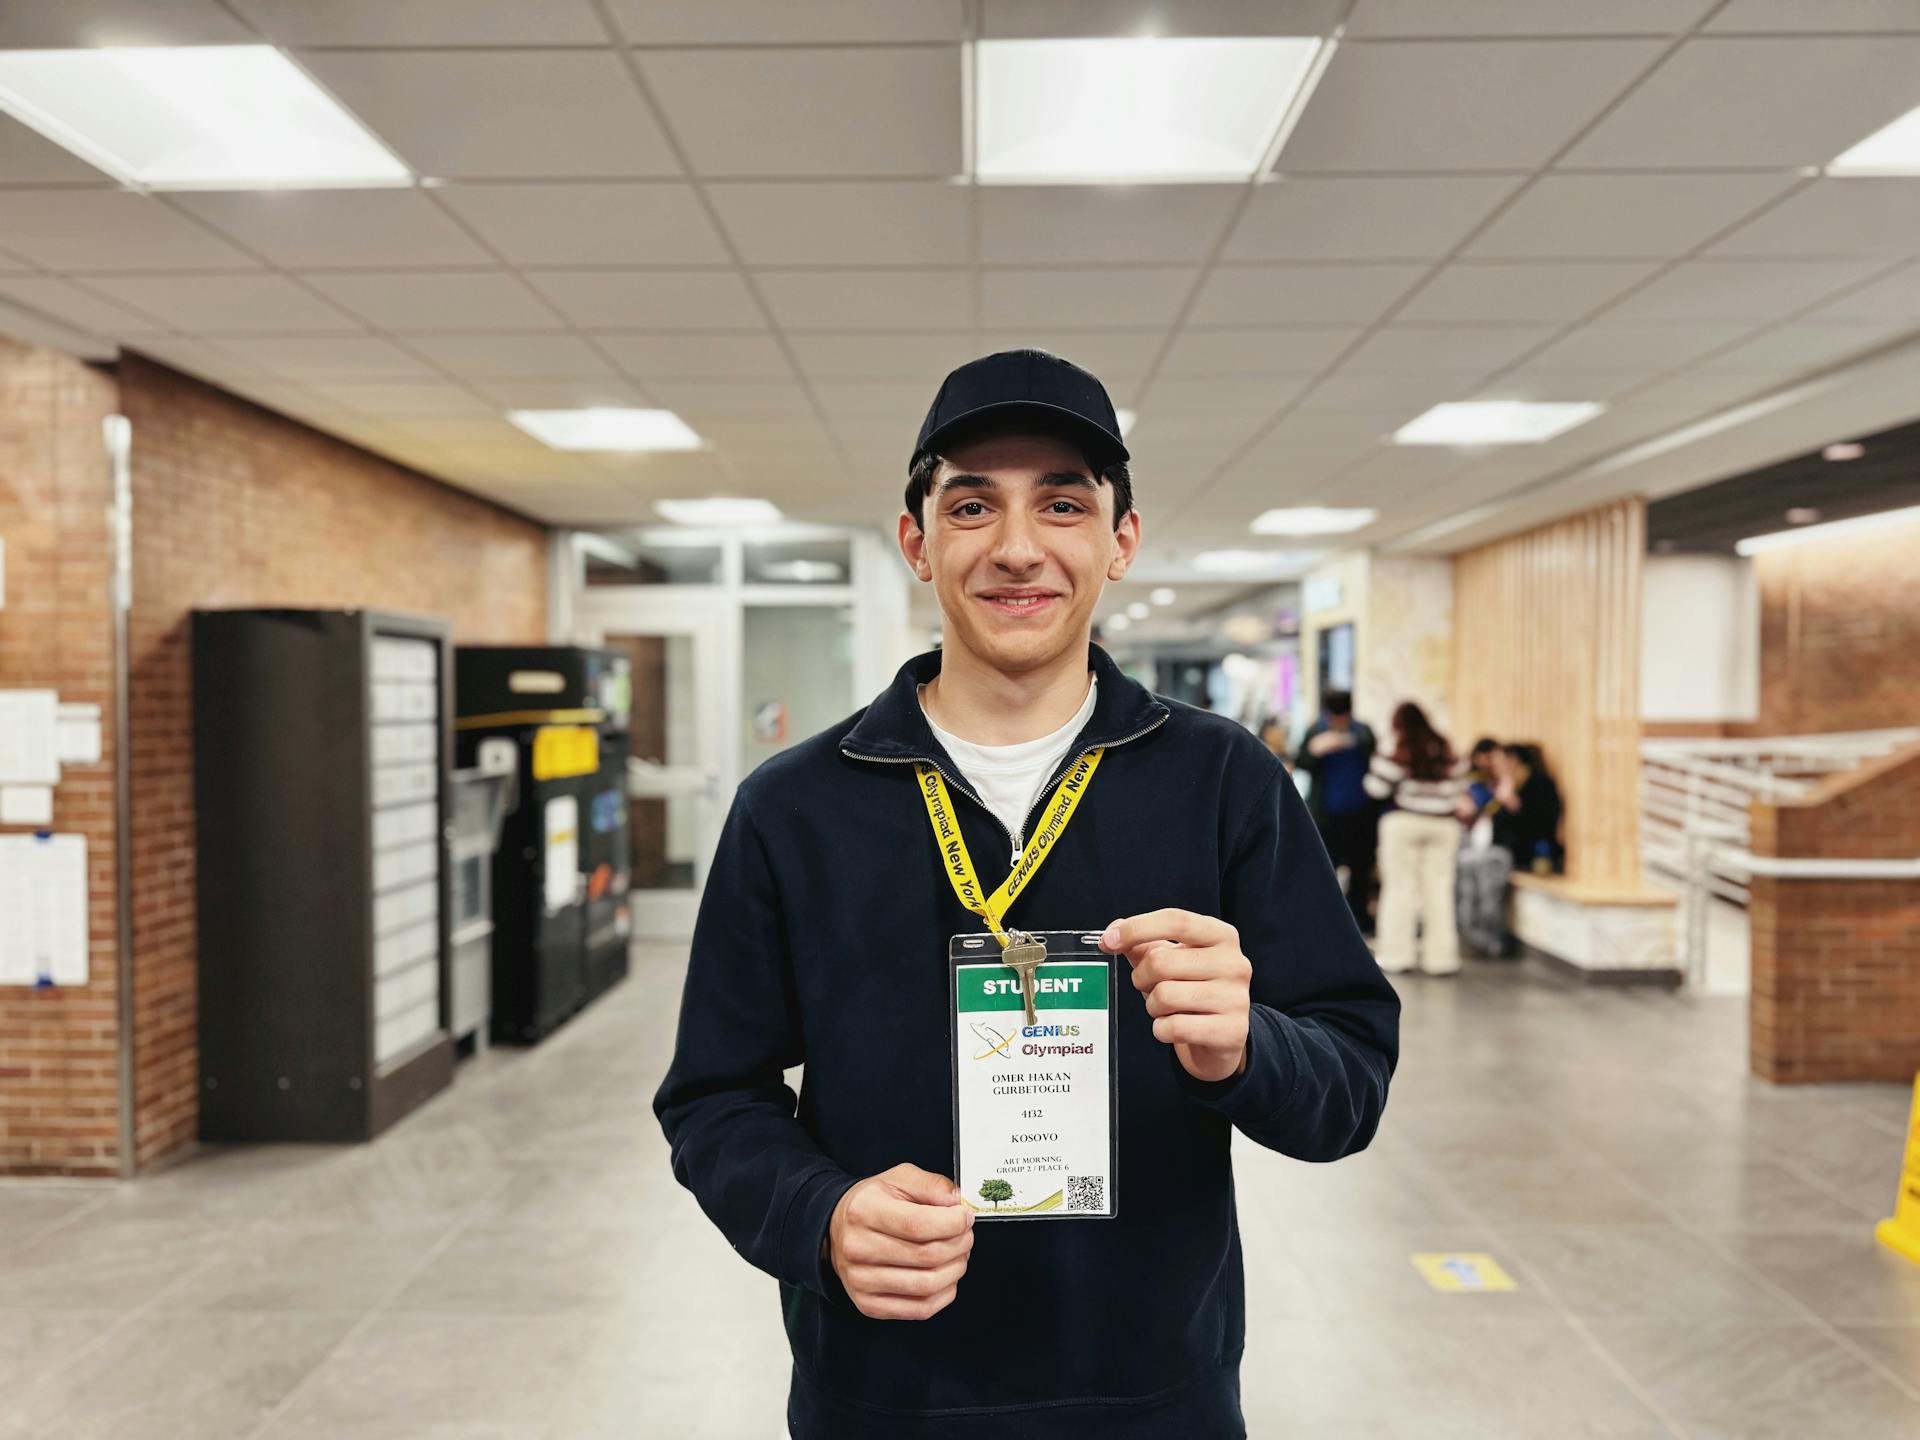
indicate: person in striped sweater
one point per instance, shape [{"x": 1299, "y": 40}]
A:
[{"x": 1419, "y": 843}]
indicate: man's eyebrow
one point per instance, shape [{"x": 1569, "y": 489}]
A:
[{"x": 966, "y": 482}]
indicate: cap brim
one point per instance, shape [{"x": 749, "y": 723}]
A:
[{"x": 1103, "y": 447}]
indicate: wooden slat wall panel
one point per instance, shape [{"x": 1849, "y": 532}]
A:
[{"x": 1546, "y": 646}]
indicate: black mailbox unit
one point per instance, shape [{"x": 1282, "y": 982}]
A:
[{"x": 322, "y": 755}]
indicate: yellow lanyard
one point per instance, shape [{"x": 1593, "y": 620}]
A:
[{"x": 953, "y": 847}]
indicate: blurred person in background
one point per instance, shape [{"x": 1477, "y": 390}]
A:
[
  {"x": 1336, "y": 751},
  {"x": 1480, "y": 885},
  {"x": 1273, "y": 735},
  {"x": 1527, "y": 823},
  {"x": 1419, "y": 841}
]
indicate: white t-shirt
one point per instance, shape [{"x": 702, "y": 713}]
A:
[{"x": 1008, "y": 778}]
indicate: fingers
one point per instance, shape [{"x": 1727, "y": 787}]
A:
[
  {"x": 906, "y": 1220},
  {"x": 1197, "y": 997},
  {"x": 1182, "y": 926},
  {"x": 899, "y": 1307},
  {"x": 923, "y": 1187},
  {"x": 1159, "y": 962},
  {"x": 870, "y": 1247},
  {"x": 903, "y": 1282},
  {"x": 1204, "y": 1032}
]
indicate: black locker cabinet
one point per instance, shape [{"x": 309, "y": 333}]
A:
[
  {"x": 322, "y": 756},
  {"x": 560, "y": 878}
]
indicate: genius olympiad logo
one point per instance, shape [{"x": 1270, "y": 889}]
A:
[{"x": 997, "y": 1043}]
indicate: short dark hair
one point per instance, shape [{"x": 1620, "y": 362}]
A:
[
  {"x": 1337, "y": 702},
  {"x": 1484, "y": 744},
  {"x": 920, "y": 478}
]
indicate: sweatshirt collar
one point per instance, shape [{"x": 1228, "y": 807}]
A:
[{"x": 894, "y": 727}]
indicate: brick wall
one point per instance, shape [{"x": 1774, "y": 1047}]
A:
[
  {"x": 1840, "y": 633},
  {"x": 236, "y": 506},
  {"x": 1836, "y": 963},
  {"x": 58, "y": 1060}
]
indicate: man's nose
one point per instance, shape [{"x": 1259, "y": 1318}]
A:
[{"x": 1017, "y": 545}]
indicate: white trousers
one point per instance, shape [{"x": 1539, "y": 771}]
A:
[{"x": 1417, "y": 854}]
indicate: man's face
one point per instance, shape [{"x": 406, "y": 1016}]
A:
[{"x": 1018, "y": 542}]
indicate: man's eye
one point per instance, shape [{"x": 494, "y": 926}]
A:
[
  {"x": 969, "y": 509},
  {"x": 1070, "y": 508}
]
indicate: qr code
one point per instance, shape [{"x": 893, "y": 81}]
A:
[{"x": 1087, "y": 1192}]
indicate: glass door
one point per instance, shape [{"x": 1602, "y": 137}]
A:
[{"x": 684, "y": 651}]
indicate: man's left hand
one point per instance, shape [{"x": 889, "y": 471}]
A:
[{"x": 1196, "y": 982}]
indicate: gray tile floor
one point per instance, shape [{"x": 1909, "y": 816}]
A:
[{"x": 514, "y": 1262}]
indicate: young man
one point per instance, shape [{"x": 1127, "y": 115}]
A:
[{"x": 855, "y": 868}]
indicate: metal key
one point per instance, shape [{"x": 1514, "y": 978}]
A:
[{"x": 1023, "y": 957}]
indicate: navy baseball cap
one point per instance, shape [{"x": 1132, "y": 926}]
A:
[{"x": 1052, "y": 389}]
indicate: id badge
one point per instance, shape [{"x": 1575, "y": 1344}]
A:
[{"x": 1035, "y": 1107}]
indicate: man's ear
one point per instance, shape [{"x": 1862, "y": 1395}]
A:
[
  {"x": 1126, "y": 544},
  {"x": 913, "y": 545}
]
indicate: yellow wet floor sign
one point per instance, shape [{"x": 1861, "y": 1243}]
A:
[
  {"x": 1463, "y": 1272},
  {"x": 1902, "y": 1232}
]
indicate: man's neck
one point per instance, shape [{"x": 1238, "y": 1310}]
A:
[{"x": 971, "y": 699}]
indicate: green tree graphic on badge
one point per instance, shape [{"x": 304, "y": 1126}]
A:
[{"x": 996, "y": 1191}]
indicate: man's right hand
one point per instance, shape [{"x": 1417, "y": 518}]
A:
[{"x": 899, "y": 1242}]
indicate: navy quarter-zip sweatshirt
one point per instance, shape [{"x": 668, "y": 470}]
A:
[{"x": 822, "y": 941}]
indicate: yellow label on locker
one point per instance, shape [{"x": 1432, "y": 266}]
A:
[
  {"x": 562, "y": 751},
  {"x": 1901, "y": 1234},
  {"x": 1463, "y": 1272}
]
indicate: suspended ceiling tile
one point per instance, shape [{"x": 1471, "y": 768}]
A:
[
  {"x": 1376, "y": 19},
  {"x": 1408, "y": 349},
  {"x": 1785, "y": 102},
  {"x": 77, "y": 231},
  {"x": 1742, "y": 289},
  {"x": 1482, "y": 292},
  {"x": 1652, "y": 217},
  {"x": 503, "y": 357},
  {"x": 653, "y": 299},
  {"x": 867, "y": 300},
  {"x": 1878, "y": 216},
  {"x": 441, "y": 23},
  {"x": 75, "y": 24},
  {"x": 492, "y": 113},
  {"x": 781, "y": 22},
  {"x": 832, "y": 222},
  {"x": 349, "y": 229},
  {"x": 1050, "y": 19},
  {"x": 1095, "y": 224},
  {"x": 449, "y": 300},
  {"x": 698, "y": 357},
  {"x": 69, "y": 304},
  {"x": 613, "y": 223},
  {"x": 227, "y": 304},
  {"x": 1301, "y": 294},
  {"x": 882, "y": 357},
  {"x": 1788, "y": 16},
  {"x": 1402, "y": 217},
  {"x": 1611, "y": 346},
  {"x": 1088, "y": 297},
  {"x": 1464, "y": 105},
  {"x": 327, "y": 357},
  {"x": 867, "y": 112},
  {"x": 1300, "y": 350}
]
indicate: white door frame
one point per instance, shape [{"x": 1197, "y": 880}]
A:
[{"x": 710, "y": 618}]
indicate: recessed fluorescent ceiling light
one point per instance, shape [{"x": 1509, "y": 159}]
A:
[
  {"x": 604, "y": 428},
  {"x": 1163, "y": 596},
  {"x": 1892, "y": 150},
  {"x": 1117, "y": 622},
  {"x": 1251, "y": 562},
  {"x": 1312, "y": 520},
  {"x": 1753, "y": 545},
  {"x": 1139, "y": 610},
  {"x": 1125, "y": 419},
  {"x": 197, "y": 117},
  {"x": 718, "y": 510},
  {"x": 1107, "y": 111},
  {"x": 1495, "y": 422}
]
